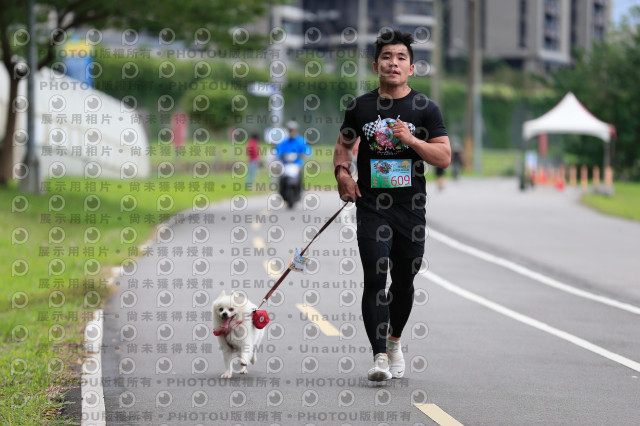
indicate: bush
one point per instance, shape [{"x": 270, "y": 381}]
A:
[{"x": 315, "y": 98}]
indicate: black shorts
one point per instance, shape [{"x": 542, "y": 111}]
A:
[{"x": 401, "y": 227}]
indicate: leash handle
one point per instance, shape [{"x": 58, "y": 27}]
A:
[{"x": 284, "y": 275}]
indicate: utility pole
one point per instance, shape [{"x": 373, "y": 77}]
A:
[
  {"x": 363, "y": 13},
  {"x": 472, "y": 153},
  {"x": 436, "y": 59},
  {"x": 31, "y": 181}
]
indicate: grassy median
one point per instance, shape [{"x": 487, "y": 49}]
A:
[{"x": 625, "y": 202}]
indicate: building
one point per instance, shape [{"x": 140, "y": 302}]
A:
[
  {"x": 535, "y": 35},
  {"x": 332, "y": 25},
  {"x": 590, "y": 21}
]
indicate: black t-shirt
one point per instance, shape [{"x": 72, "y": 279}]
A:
[{"x": 398, "y": 171}]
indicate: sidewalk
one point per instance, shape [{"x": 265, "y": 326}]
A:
[{"x": 542, "y": 227}]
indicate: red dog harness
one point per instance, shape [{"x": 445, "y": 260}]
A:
[{"x": 226, "y": 331}]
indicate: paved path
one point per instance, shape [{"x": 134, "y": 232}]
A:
[
  {"x": 544, "y": 226},
  {"x": 489, "y": 341}
]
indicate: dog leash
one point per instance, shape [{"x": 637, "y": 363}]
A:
[{"x": 284, "y": 275}]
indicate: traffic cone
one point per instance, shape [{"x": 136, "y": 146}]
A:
[
  {"x": 560, "y": 181},
  {"x": 573, "y": 175},
  {"x": 584, "y": 177},
  {"x": 596, "y": 176}
]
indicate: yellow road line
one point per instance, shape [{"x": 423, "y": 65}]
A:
[
  {"x": 258, "y": 242},
  {"x": 272, "y": 274},
  {"x": 316, "y": 317},
  {"x": 255, "y": 226},
  {"x": 438, "y": 415}
]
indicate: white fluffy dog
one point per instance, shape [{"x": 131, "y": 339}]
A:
[{"x": 233, "y": 324}]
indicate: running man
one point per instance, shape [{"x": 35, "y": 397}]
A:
[{"x": 398, "y": 129}]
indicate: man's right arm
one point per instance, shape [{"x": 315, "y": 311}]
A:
[{"x": 343, "y": 157}]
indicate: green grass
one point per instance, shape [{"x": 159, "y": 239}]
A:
[
  {"x": 495, "y": 162},
  {"x": 44, "y": 309},
  {"x": 499, "y": 162},
  {"x": 624, "y": 203}
]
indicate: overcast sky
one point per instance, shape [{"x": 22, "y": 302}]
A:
[{"x": 621, "y": 7}]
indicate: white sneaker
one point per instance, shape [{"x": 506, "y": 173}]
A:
[
  {"x": 380, "y": 370},
  {"x": 396, "y": 359},
  {"x": 396, "y": 367}
]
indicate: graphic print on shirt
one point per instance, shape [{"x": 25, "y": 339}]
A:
[{"x": 380, "y": 136}]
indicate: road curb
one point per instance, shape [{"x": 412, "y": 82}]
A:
[{"x": 92, "y": 392}]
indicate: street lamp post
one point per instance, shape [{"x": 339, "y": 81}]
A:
[
  {"x": 362, "y": 45},
  {"x": 473, "y": 135}
]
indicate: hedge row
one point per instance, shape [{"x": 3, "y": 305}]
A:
[{"x": 312, "y": 94}]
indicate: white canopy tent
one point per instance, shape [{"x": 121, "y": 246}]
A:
[{"x": 568, "y": 116}]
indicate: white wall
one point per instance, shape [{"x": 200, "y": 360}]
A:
[{"x": 119, "y": 144}]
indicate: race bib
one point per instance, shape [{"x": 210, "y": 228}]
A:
[{"x": 390, "y": 173}]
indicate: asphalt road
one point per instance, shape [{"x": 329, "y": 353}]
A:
[{"x": 526, "y": 312}]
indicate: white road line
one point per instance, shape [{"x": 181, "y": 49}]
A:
[
  {"x": 531, "y": 322},
  {"x": 455, "y": 244},
  {"x": 93, "y": 409},
  {"x": 438, "y": 415}
]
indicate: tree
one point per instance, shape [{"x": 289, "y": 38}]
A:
[
  {"x": 605, "y": 80},
  {"x": 215, "y": 105},
  {"x": 204, "y": 22}
]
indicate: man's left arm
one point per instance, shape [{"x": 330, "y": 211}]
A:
[{"x": 436, "y": 151}]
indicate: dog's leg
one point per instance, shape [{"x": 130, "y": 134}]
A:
[
  {"x": 253, "y": 357},
  {"x": 256, "y": 343},
  {"x": 228, "y": 359},
  {"x": 254, "y": 349},
  {"x": 244, "y": 357}
]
